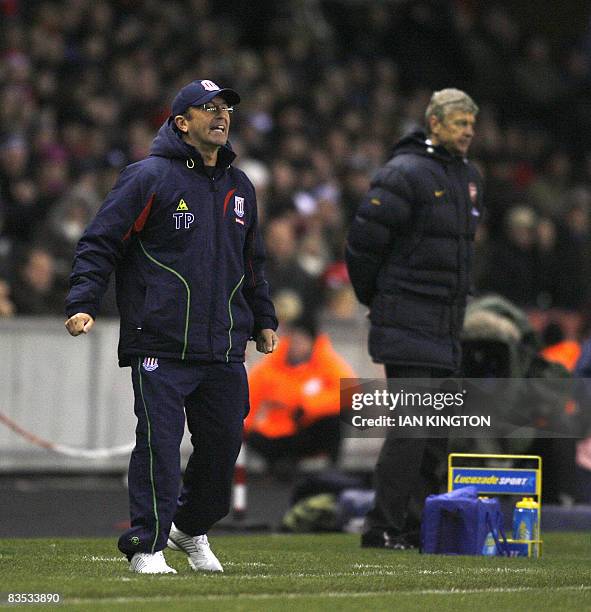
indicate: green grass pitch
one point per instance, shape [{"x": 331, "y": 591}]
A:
[{"x": 300, "y": 572}]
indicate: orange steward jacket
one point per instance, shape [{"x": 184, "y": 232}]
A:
[{"x": 279, "y": 391}]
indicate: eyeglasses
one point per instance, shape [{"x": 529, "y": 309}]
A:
[{"x": 214, "y": 108}]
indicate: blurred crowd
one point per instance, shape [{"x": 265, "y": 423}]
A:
[{"x": 327, "y": 89}]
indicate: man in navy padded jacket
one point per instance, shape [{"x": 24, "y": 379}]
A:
[
  {"x": 180, "y": 230},
  {"x": 409, "y": 255}
]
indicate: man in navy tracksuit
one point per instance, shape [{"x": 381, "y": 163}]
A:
[{"x": 180, "y": 230}]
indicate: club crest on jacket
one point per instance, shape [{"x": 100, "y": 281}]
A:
[
  {"x": 239, "y": 206},
  {"x": 150, "y": 363}
]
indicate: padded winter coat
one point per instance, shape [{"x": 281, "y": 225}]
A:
[{"x": 409, "y": 253}]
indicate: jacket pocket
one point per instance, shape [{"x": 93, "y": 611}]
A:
[
  {"x": 161, "y": 314},
  {"x": 407, "y": 311}
]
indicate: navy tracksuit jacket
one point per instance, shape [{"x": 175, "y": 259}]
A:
[
  {"x": 188, "y": 256},
  {"x": 191, "y": 291}
]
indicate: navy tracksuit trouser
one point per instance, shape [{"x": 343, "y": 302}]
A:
[{"x": 214, "y": 398}]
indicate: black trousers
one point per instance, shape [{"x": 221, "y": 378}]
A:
[{"x": 407, "y": 470}]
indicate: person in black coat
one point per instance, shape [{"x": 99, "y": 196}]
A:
[{"x": 409, "y": 255}]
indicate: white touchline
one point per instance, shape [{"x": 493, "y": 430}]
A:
[
  {"x": 109, "y": 559},
  {"x": 330, "y": 594}
]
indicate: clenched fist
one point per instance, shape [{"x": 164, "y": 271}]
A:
[
  {"x": 267, "y": 341},
  {"x": 80, "y": 323}
]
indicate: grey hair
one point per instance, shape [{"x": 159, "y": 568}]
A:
[{"x": 448, "y": 100}]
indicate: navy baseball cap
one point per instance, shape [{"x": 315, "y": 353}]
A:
[{"x": 200, "y": 92}]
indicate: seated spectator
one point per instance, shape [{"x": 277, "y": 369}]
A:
[
  {"x": 66, "y": 223},
  {"x": 341, "y": 303},
  {"x": 548, "y": 193},
  {"x": 34, "y": 292},
  {"x": 6, "y": 249},
  {"x": 559, "y": 267},
  {"x": 294, "y": 291},
  {"x": 515, "y": 251},
  {"x": 294, "y": 398},
  {"x": 7, "y": 308}
]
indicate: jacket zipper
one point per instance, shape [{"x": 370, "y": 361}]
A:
[
  {"x": 466, "y": 230},
  {"x": 213, "y": 190},
  {"x": 456, "y": 176}
]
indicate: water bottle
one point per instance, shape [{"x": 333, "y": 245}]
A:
[
  {"x": 526, "y": 522},
  {"x": 489, "y": 547}
]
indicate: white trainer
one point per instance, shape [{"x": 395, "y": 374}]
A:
[
  {"x": 146, "y": 563},
  {"x": 201, "y": 557}
]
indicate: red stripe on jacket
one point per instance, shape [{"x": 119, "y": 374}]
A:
[
  {"x": 227, "y": 199},
  {"x": 138, "y": 226}
]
